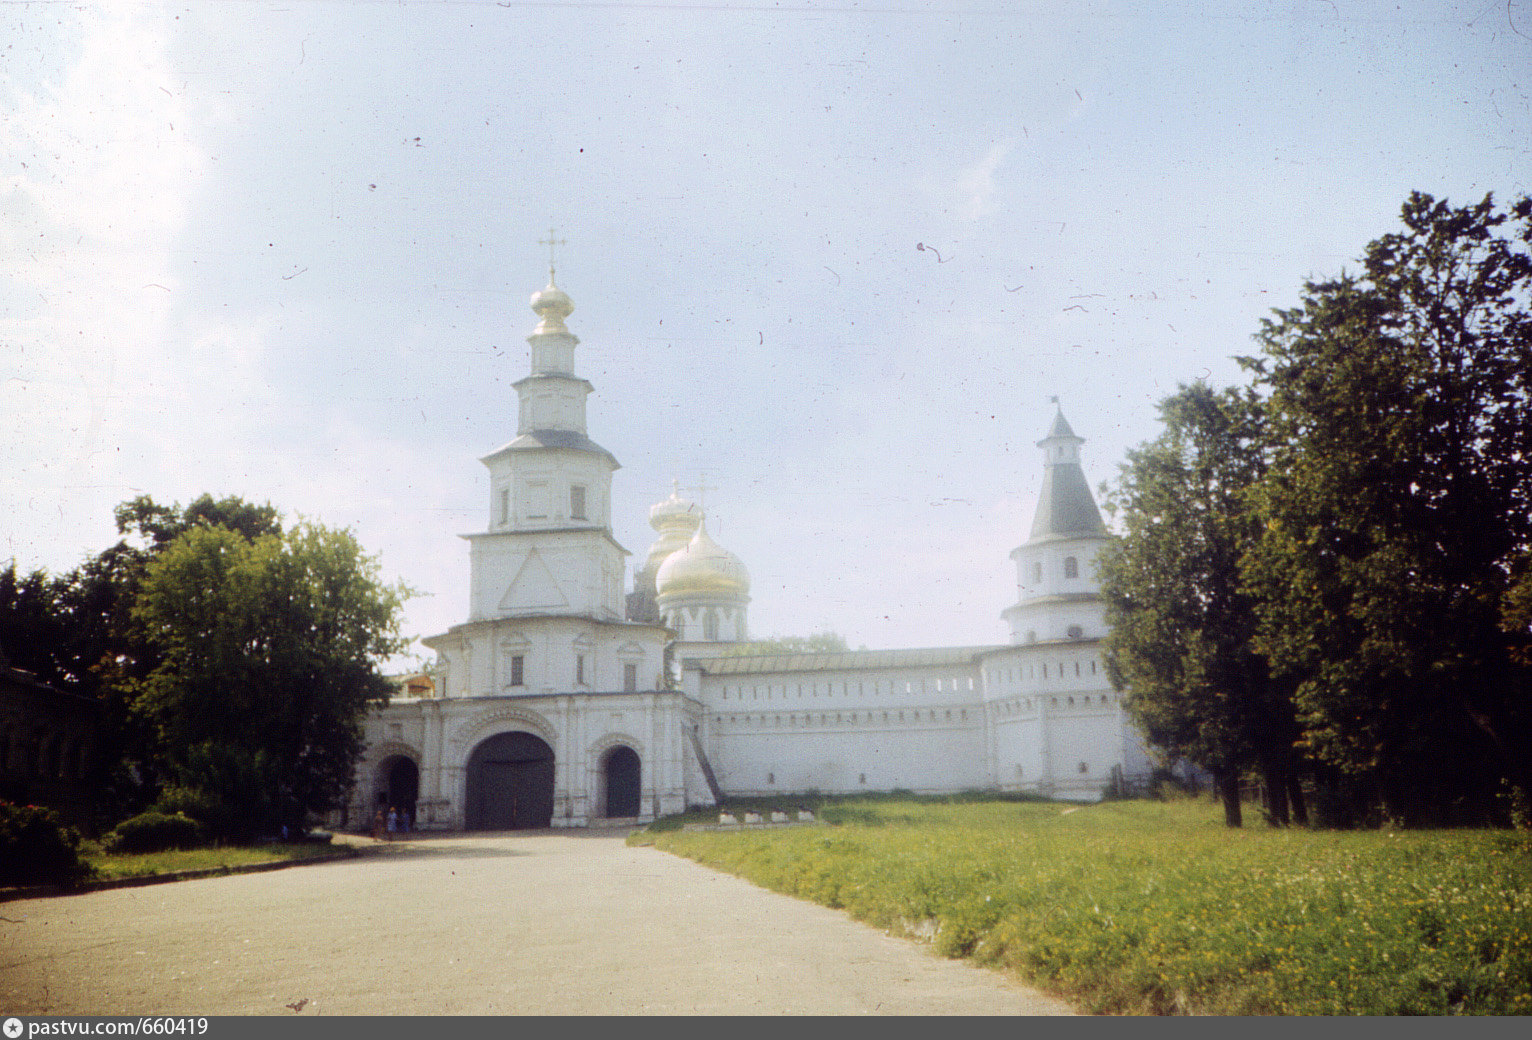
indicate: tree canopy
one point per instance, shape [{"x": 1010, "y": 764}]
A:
[
  {"x": 1398, "y": 506},
  {"x": 233, "y": 658},
  {"x": 1180, "y": 624},
  {"x": 268, "y": 652},
  {"x": 1334, "y": 564},
  {"x": 818, "y": 643}
]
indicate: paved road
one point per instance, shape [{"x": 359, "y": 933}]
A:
[{"x": 544, "y": 923}]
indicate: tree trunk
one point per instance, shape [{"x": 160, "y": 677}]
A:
[
  {"x": 1228, "y": 787},
  {"x": 1276, "y": 794},
  {"x": 1295, "y": 795}
]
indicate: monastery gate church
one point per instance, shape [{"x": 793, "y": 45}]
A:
[{"x": 564, "y": 701}]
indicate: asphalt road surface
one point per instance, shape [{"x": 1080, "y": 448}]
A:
[{"x": 505, "y": 924}]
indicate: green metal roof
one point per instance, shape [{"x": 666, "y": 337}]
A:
[{"x": 846, "y": 660}]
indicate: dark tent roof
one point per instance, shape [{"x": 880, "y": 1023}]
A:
[
  {"x": 566, "y": 439},
  {"x": 1066, "y": 506}
]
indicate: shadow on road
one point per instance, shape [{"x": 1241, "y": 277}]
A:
[{"x": 471, "y": 844}]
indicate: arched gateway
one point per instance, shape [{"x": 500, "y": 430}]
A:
[
  {"x": 510, "y": 783},
  {"x": 621, "y": 774},
  {"x": 400, "y": 785}
]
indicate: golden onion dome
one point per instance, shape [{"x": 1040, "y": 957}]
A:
[
  {"x": 675, "y": 512},
  {"x": 676, "y": 520},
  {"x": 702, "y": 568},
  {"x": 552, "y": 305}
]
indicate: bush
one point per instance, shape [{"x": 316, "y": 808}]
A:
[
  {"x": 35, "y": 848},
  {"x": 155, "y": 831},
  {"x": 217, "y": 817}
]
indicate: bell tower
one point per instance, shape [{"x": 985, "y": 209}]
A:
[{"x": 548, "y": 547}]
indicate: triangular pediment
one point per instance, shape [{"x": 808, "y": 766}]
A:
[{"x": 534, "y": 587}]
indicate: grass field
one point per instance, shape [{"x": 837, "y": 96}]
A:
[
  {"x": 111, "y": 866},
  {"x": 1155, "y": 908}
]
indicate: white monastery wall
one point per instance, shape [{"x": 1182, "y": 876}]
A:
[
  {"x": 847, "y": 753},
  {"x": 843, "y": 729}
]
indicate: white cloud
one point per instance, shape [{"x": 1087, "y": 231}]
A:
[
  {"x": 976, "y": 183},
  {"x": 103, "y": 166}
]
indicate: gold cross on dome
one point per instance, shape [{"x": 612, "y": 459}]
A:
[
  {"x": 702, "y": 487},
  {"x": 551, "y": 242}
]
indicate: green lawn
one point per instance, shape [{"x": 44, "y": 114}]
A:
[
  {"x": 1155, "y": 907},
  {"x": 110, "y": 866}
]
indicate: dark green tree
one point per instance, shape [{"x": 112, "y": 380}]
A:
[
  {"x": 1398, "y": 505},
  {"x": 268, "y": 654},
  {"x": 75, "y": 632},
  {"x": 1180, "y": 624},
  {"x": 818, "y": 643},
  {"x": 31, "y": 623}
]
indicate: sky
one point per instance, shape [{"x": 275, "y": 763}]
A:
[{"x": 829, "y": 260}]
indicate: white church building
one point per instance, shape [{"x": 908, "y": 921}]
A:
[{"x": 565, "y": 701}]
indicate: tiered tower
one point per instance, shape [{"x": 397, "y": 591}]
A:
[
  {"x": 546, "y": 606},
  {"x": 549, "y": 547},
  {"x": 1058, "y": 595},
  {"x": 555, "y": 709}
]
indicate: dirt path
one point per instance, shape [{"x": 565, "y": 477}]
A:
[{"x": 546, "y": 923}]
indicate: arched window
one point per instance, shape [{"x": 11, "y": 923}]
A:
[
  {"x": 1071, "y": 567},
  {"x": 1076, "y": 632}
]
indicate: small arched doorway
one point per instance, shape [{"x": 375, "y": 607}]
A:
[
  {"x": 510, "y": 784},
  {"x": 621, "y": 773},
  {"x": 401, "y": 785}
]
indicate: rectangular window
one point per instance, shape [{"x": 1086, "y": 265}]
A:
[
  {"x": 630, "y": 678},
  {"x": 537, "y": 500},
  {"x": 579, "y": 669},
  {"x": 518, "y": 670},
  {"x": 577, "y": 502},
  {"x": 505, "y": 505}
]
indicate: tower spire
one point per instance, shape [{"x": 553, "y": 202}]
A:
[{"x": 1065, "y": 508}]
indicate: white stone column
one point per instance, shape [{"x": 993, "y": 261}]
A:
[
  {"x": 454, "y": 779},
  {"x": 579, "y": 763},
  {"x": 431, "y": 764}
]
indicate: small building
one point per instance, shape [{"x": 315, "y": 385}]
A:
[{"x": 48, "y": 742}]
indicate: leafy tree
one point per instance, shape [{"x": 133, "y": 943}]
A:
[
  {"x": 1398, "y": 507},
  {"x": 818, "y": 643},
  {"x": 78, "y": 632},
  {"x": 1516, "y": 614},
  {"x": 157, "y": 526},
  {"x": 1180, "y": 625},
  {"x": 267, "y": 657},
  {"x": 71, "y": 629},
  {"x": 31, "y": 625}
]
